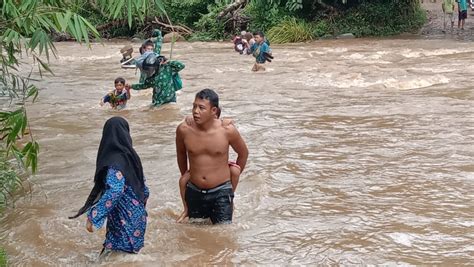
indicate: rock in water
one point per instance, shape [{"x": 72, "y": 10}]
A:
[{"x": 169, "y": 36}]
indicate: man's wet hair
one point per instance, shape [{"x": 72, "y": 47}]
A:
[
  {"x": 259, "y": 33},
  {"x": 119, "y": 80},
  {"x": 210, "y": 95}
]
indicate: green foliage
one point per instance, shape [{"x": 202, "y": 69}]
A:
[
  {"x": 208, "y": 27},
  {"x": 3, "y": 258},
  {"x": 381, "y": 18},
  {"x": 361, "y": 17},
  {"x": 321, "y": 28},
  {"x": 131, "y": 9},
  {"x": 293, "y": 5},
  {"x": 9, "y": 181},
  {"x": 13, "y": 127},
  {"x": 186, "y": 12},
  {"x": 25, "y": 27},
  {"x": 265, "y": 14},
  {"x": 290, "y": 30}
]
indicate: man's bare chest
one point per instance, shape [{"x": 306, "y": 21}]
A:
[{"x": 214, "y": 143}]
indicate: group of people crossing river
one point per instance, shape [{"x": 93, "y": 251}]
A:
[{"x": 208, "y": 179}]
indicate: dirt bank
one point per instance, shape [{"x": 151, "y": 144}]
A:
[{"x": 434, "y": 26}]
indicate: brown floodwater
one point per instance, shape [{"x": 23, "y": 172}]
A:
[{"x": 361, "y": 152}]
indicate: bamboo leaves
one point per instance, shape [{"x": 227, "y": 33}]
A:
[
  {"x": 29, "y": 155},
  {"x": 13, "y": 126},
  {"x": 33, "y": 92},
  {"x": 26, "y": 26},
  {"x": 131, "y": 9},
  {"x": 9, "y": 180}
]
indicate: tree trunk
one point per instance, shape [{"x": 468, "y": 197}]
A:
[{"x": 232, "y": 7}]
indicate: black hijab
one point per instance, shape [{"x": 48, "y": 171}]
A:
[{"x": 116, "y": 151}]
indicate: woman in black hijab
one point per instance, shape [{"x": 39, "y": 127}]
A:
[{"x": 119, "y": 193}]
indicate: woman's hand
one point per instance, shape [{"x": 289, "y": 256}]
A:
[
  {"x": 227, "y": 122},
  {"x": 89, "y": 227},
  {"x": 189, "y": 120}
]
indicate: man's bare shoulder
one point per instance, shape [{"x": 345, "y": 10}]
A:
[
  {"x": 230, "y": 130},
  {"x": 226, "y": 122},
  {"x": 183, "y": 127}
]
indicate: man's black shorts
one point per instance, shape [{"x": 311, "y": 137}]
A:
[
  {"x": 215, "y": 203},
  {"x": 463, "y": 14}
]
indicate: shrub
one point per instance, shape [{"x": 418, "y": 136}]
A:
[
  {"x": 321, "y": 28},
  {"x": 208, "y": 27},
  {"x": 291, "y": 30},
  {"x": 380, "y": 19},
  {"x": 186, "y": 12},
  {"x": 264, "y": 16}
]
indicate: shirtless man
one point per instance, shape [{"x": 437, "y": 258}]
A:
[{"x": 209, "y": 192}]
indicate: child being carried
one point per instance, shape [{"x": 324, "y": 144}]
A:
[
  {"x": 234, "y": 168},
  {"x": 118, "y": 97}
]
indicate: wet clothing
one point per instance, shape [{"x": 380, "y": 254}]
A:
[
  {"x": 164, "y": 83},
  {"x": 258, "y": 51},
  {"x": 239, "y": 44},
  {"x": 158, "y": 43},
  {"x": 462, "y": 6},
  {"x": 177, "y": 82},
  {"x": 116, "y": 150},
  {"x": 267, "y": 41},
  {"x": 119, "y": 191},
  {"x": 215, "y": 203},
  {"x": 117, "y": 100},
  {"x": 125, "y": 213}
]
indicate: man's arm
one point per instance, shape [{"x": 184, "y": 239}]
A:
[
  {"x": 265, "y": 48},
  {"x": 181, "y": 153},
  {"x": 238, "y": 144},
  {"x": 252, "y": 47}
]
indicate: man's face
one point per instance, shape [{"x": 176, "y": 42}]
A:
[
  {"x": 202, "y": 111},
  {"x": 258, "y": 38}
]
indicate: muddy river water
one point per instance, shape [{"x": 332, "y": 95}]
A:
[{"x": 361, "y": 152}]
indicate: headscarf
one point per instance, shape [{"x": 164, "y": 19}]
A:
[{"x": 116, "y": 151}]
